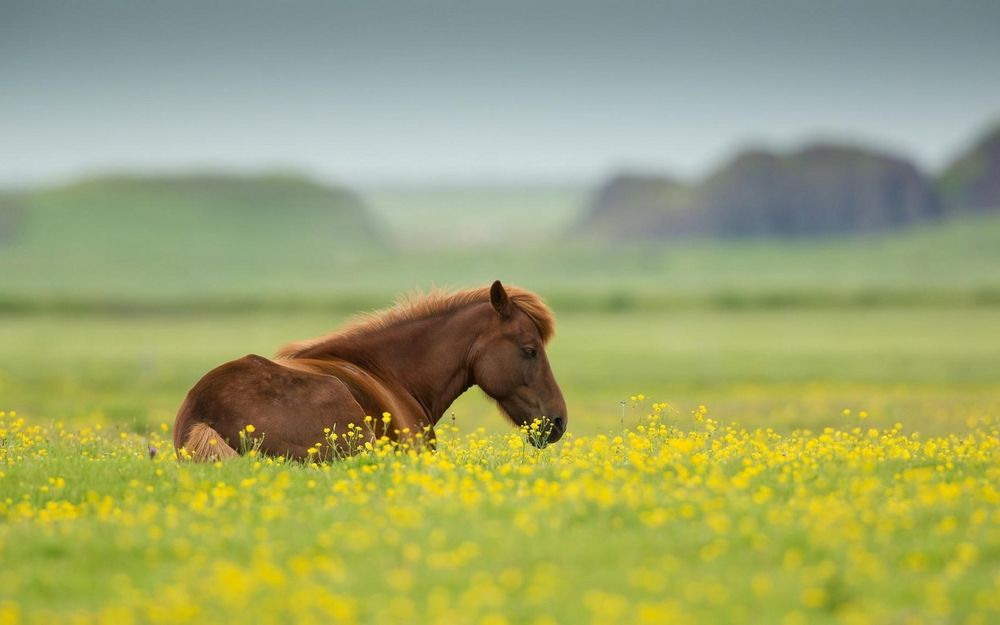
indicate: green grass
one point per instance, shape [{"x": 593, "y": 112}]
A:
[{"x": 931, "y": 367}]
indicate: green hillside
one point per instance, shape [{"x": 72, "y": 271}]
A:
[
  {"x": 235, "y": 243},
  {"x": 197, "y": 234}
]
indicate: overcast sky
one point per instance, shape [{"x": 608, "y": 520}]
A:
[{"x": 371, "y": 92}]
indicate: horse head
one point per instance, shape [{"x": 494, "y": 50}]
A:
[{"x": 510, "y": 365}]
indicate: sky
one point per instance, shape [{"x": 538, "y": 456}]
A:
[{"x": 410, "y": 91}]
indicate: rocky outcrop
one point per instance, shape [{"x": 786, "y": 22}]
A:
[
  {"x": 638, "y": 206},
  {"x": 816, "y": 191},
  {"x": 819, "y": 190},
  {"x": 972, "y": 182}
]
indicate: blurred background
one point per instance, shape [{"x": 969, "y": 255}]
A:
[{"x": 786, "y": 211}]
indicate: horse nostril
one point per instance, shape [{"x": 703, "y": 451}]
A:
[{"x": 559, "y": 424}]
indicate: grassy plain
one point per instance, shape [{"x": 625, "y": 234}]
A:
[
  {"x": 104, "y": 258},
  {"x": 680, "y": 519},
  {"x": 475, "y": 215},
  {"x": 929, "y": 366}
]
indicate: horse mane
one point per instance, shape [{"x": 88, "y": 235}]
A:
[{"x": 419, "y": 305}]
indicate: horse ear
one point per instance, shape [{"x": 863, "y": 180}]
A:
[{"x": 500, "y": 300}]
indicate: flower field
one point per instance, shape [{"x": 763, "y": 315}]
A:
[{"x": 673, "y": 519}]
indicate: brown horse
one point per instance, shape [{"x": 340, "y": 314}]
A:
[{"x": 411, "y": 361}]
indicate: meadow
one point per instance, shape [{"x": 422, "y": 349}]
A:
[
  {"x": 759, "y": 432},
  {"x": 929, "y": 366},
  {"x": 842, "y": 470},
  {"x": 678, "y": 519}
]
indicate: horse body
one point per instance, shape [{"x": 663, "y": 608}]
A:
[{"x": 412, "y": 362}]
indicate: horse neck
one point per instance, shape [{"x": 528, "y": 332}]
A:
[{"x": 429, "y": 359}]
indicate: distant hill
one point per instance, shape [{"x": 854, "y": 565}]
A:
[
  {"x": 972, "y": 182},
  {"x": 819, "y": 190},
  {"x": 127, "y": 231}
]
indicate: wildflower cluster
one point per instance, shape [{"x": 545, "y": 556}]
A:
[{"x": 674, "y": 520}]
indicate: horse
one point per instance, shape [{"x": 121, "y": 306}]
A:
[{"x": 391, "y": 373}]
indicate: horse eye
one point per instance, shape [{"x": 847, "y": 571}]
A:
[{"x": 529, "y": 352}]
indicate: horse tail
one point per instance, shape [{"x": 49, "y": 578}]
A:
[
  {"x": 198, "y": 441},
  {"x": 204, "y": 444}
]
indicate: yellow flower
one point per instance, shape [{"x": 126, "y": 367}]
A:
[
  {"x": 250, "y": 428},
  {"x": 738, "y": 491}
]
